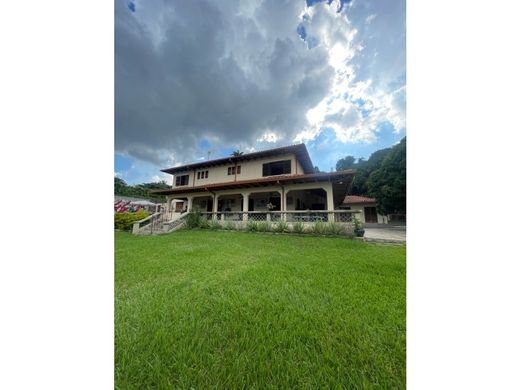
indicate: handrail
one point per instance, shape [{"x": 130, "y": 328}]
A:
[
  {"x": 176, "y": 222},
  {"x": 138, "y": 225}
]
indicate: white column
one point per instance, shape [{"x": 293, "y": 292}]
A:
[
  {"x": 282, "y": 205},
  {"x": 330, "y": 202},
  {"x": 245, "y": 208},
  {"x": 215, "y": 207},
  {"x": 190, "y": 203}
]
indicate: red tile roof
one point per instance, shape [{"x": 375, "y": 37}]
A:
[{"x": 354, "y": 199}]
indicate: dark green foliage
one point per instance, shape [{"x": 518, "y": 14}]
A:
[
  {"x": 345, "y": 163},
  {"x": 252, "y": 226},
  {"x": 214, "y": 225},
  {"x": 140, "y": 190},
  {"x": 194, "y": 219},
  {"x": 387, "y": 183},
  {"x": 281, "y": 226},
  {"x": 204, "y": 223},
  {"x": 382, "y": 176},
  {"x": 229, "y": 225},
  {"x": 319, "y": 228},
  {"x": 264, "y": 226},
  {"x": 335, "y": 228},
  {"x": 298, "y": 227},
  {"x": 125, "y": 221}
]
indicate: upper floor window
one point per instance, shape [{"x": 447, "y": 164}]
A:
[
  {"x": 182, "y": 180},
  {"x": 233, "y": 170},
  {"x": 202, "y": 175},
  {"x": 276, "y": 168}
]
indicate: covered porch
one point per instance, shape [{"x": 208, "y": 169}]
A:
[{"x": 296, "y": 198}]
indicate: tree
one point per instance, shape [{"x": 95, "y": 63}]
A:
[
  {"x": 140, "y": 190},
  {"x": 316, "y": 169},
  {"x": 237, "y": 153},
  {"x": 387, "y": 183},
  {"x": 382, "y": 176},
  {"x": 119, "y": 185},
  {"x": 345, "y": 163}
]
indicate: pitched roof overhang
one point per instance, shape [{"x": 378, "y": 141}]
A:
[
  {"x": 341, "y": 177},
  {"x": 356, "y": 199},
  {"x": 300, "y": 150}
]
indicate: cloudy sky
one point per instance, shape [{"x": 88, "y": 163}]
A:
[{"x": 203, "y": 78}]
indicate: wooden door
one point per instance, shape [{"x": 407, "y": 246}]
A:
[{"x": 370, "y": 215}]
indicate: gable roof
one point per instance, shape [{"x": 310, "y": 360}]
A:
[
  {"x": 356, "y": 199},
  {"x": 300, "y": 150}
]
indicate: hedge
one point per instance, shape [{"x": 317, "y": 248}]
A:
[{"x": 125, "y": 221}]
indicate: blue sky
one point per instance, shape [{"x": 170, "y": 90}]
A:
[{"x": 199, "y": 79}]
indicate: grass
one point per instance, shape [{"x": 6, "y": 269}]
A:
[{"x": 225, "y": 309}]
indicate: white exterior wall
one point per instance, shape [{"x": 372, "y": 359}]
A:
[
  {"x": 361, "y": 216},
  {"x": 249, "y": 170}
]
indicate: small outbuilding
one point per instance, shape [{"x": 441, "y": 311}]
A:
[{"x": 367, "y": 206}]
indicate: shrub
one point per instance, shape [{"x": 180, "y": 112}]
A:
[
  {"x": 335, "y": 228},
  {"x": 298, "y": 227},
  {"x": 194, "y": 219},
  {"x": 357, "y": 223},
  {"x": 228, "y": 225},
  {"x": 264, "y": 226},
  {"x": 281, "y": 226},
  {"x": 204, "y": 223},
  {"x": 125, "y": 221},
  {"x": 319, "y": 228},
  {"x": 252, "y": 226},
  {"x": 214, "y": 225}
]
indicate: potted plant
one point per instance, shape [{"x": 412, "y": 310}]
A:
[{"x": 358, "y": 227}]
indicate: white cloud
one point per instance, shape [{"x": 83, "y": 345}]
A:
[
  {"x": 238, "y": 74},
  {"x": 353, "y": 108},
  {"x": 370, "y": 18},
  {"x": 269, "y": 136}
]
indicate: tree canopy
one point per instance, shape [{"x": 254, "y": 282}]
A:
[
  {"x": 140, "y": 190},
  {"x": 382, "y": 176},
  {"x": 345, "y": 163}
]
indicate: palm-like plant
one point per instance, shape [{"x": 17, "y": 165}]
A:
[{"x": 237, "y": 153}]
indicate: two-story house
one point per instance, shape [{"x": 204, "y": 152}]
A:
[{"x": 279, "y": 180}]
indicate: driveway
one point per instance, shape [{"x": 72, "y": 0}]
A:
[{"x": 385, "y": 233}]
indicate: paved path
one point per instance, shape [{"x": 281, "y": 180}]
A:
[{"x": 385, "y": 233}]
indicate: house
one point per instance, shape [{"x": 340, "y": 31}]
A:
[
  {"x": 366, "y": 206},
  {"x": 266, "y": 185}
]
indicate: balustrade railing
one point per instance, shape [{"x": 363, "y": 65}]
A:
[{"x": 339, "y": 216}]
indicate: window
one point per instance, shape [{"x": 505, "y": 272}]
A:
[
  {"x": 182, "y": 180},
  {"x": 276, "y": 168},
  {"x": 202, "y": 175},
  {"x": 233, "y": 170}
]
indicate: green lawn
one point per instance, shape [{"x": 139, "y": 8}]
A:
[{"x": 222, "y": 309}]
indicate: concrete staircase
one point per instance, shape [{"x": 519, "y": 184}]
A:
[{"x": 159, "y": 223}]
